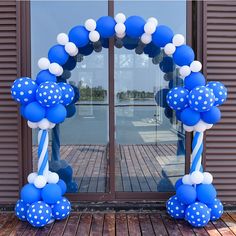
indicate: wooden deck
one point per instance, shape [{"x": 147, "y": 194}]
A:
[
  {"x": 119, "y": 224},
  {"x": 139, "y": 168}
]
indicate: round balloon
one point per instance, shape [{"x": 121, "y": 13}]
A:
[
  {"x": 151, "y": 50},
  {"x": 29, "y": 194},
  {"x": 62, "y": 185},
  {"x": 212, "y": 116},
  {"x": 190, "y": 117},
  {"x": 106, "y": 26},
  {"x": 193, "y": 80},
  {"x": 34, "y": 112},
  {"x": 70, "y": 64},
  {"x": 86, "y": 50},
  {"x": 178, "y": 183},
  {"x": 167, "y": 65},
  {"x": 51, "y": 193},
  {"x": 160, "y": 98},
  {"x": 21, "y": 209},
  {"x": 61, "y": 209},
  {"x": 175, "y": 208},
  {"x": 162, "y": 35},
  {"x": 186, "y": 194},
  {"x": 67, "y": 93},
  {"x": 206, "y": 193},
  {"x": 44, "y": 76},
  {"x": 56, "y": 114},
  {"x": 130, "y": 43},
  {"x": 70, "y": 110},
  {"x": 134, "y": 26},
  {"x": 58, "y": 54},
  {"x": 79, "y": 36},
  {"x": 216, "y": 208},
  {"x": 183, "y": 55}
]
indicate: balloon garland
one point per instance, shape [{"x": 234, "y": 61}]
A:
[{"x": 48, "y": 100}]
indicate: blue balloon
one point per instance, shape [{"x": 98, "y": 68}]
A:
[
  {"x": 134, "y": 26},
  {"x": 175, "y": 208},
  {"x": 105, "y": 42},
  {"x": 106, "y": 26},
  {"x": 34, "y": 112},
  {"x": 160, "y": 98},
  {"x": 216, "y": 208},
  {"x": 61, "y": 209},
  {"x": 23, "y": 90},
  {"x": 70, "y": 64},
  {"x": 178, "y": 115},
  {"x": 130, "y": 43},
  {"x": 206, "y": 193},
  {"x": 67, "y": 94},
  {"x": 177, "y": 98},
  {"x": 193, "y": 80},
  {"x": 70, "y": 110},
  {"x": 178, "y": 183},
  {"x": 44, "y": 76},
  {"x": 77, "y": 94},
  {"x": 39, "y": 214},
  {"x": 51, "y": 193},
  {"x": 86, "y": 50},
  {"x": 72, "y": 187},
  {"x": 183, "y": 55},
  {"x": 168, "y": 112},
  {"x": 175, "y": 82},
  {"x": 66, "y": 174},
  {"x": 48, "y": 94},
  {"x": 190, "y": 117},
  {"x": 62, "y": 185},
  {"x": 219, "y": 90},
  {"x": 21, "y": 210},
  {"x": 186, "y": 194},
  {"x": 162, "y": 36},
  {"x": 56, "y": 114},
  {"x": 197, "y": 214},
  {"x": 201, "y": 99},
  {"x": 212, "y": 116},
  {"x": 167, "y": 65},
  {"x": 29, "y": 194},
  {"x": 79, "y": 36},
  {"x": 151, "y": 50},
  {"x": 58, "y": 54}
]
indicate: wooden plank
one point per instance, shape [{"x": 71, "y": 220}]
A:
[
  {"x": 97, "y": 224},
  {"x": 84, "y": 224},
  {"x": 171, "y": 226},
  {"x": 146, "y": 225},
  {"x": 158, "y": 225},
  {"x": 121, "y": 225},
  {"x": 30, "y": 230},
  {"x": 222, "y": 228},
  {"x": 72, "y": 224},
  {"x": 229, "y": 222},
  {"x": 200, "y": 232},
  {"x": 118, "y": 171},
  {"x": 109, "y": 225},
  {"x": 45, "y": 230},
  {"x": 211, "y": 230},
  {"x": 58, "y": 227},
  {"x": 19, "y": 229},
  {"x": 9, "y": 225},
  {"x": 4, "y": 217},
  {"x": 133, "y": 225},
  {"x": 185, "y": 228}
]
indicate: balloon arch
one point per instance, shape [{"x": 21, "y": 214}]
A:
[{"x": 48, "y": 100}]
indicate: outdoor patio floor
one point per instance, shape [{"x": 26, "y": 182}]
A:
[
  {"x": 138, "y": 168},
  {"x": 119, "y": 224}
]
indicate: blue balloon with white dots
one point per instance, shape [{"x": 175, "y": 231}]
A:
[
  {"x": 177, "y": 98},
  {"x": 67, "y": 93},
  {"x": 61, "y": 209},
  {"x": 134, "y": 26},
  {"x": 162, "y": 36},
  {"x": 58, "y": 54},
  {"x": 219, "y": 90},
  {"x": 21, "y": 210},
  {"x": 23, "y": 90},
  {"x": 175, "y": 208},
  {"x": 39, "y": 214},
  {"x": 197, "y": 214},
  {"x": 201, "y": 99},
  {"x": 44, "y": 76},
  {"x": 106, "y": 26},
  {"x": 183, "y": 55},
  {"x": 216, "y": 208},
  {"x": 48, "y": 94}
]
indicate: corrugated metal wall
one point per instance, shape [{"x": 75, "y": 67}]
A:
[{"x": 219, "y": 59}]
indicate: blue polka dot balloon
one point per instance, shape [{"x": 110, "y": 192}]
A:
[
  {"x": 23, "y": 90},
  {"x": 216, "y": 208},
  {"x": 39, "y": 214},
  {"x": 67, "y": 93},
  {"x": 197, "y": 214},
  {"x": 21, "y": 209},
  {"x": 175, "y": 208},
  {"x": 201, "y": 99},
  {"x": 61, "y": 209},
  {"x": 48, "y": 94},
  {"x": 219, "y": 90},
  {"x": 177, "y": 98}
]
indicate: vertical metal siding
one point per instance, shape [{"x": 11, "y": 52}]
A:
[{"x": 219, "y": 62}]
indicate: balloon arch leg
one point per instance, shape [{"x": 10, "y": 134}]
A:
[{"x": 49, "y": 99}]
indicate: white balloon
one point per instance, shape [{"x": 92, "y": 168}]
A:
[
  {"x": 40, "y": 181},
  {"x": 184, "y": 71},
  {"x": 55, "y": 69},
  {"x": 31, "y": 177},
  {"x": 43, "y": 63},
  {"x": 196, "y": 177},
  {"x": 188, "y": 128},
  {"x": 150, "y": 27},
  {"x": 146, "y": 38},
  {"x": 207, "y": 178},
  {"x": 32, "y": 125},
  {"x": 71, "y": 49},
  {"x": 120, "y": 18},
  {"x": 208, "y": 126},
  {"x": 44, "y": 124},
  {"x": 178, "y": 40},
  {"x": 120, "y": 28},
  {"x": 94, "y": 36},
  {"x": 51, "y": 125},
  {"x": 187, "y": 180},
  {"x": 153, "y": 20},
  {"x": 120, "y": 36},
  {"x": 196, "y": 66},
  {"x": 62, "y": 38},
  {"x": 52, "y": 177},
  {"x": 200, "y": 126},
  {"x": 169, "y": 49},
  {"x": 90, "y": 24}
]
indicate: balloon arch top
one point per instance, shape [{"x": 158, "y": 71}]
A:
[{"x": 49, "y": 99}]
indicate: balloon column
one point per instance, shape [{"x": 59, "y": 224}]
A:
[{"x": 48, "y": 100}]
